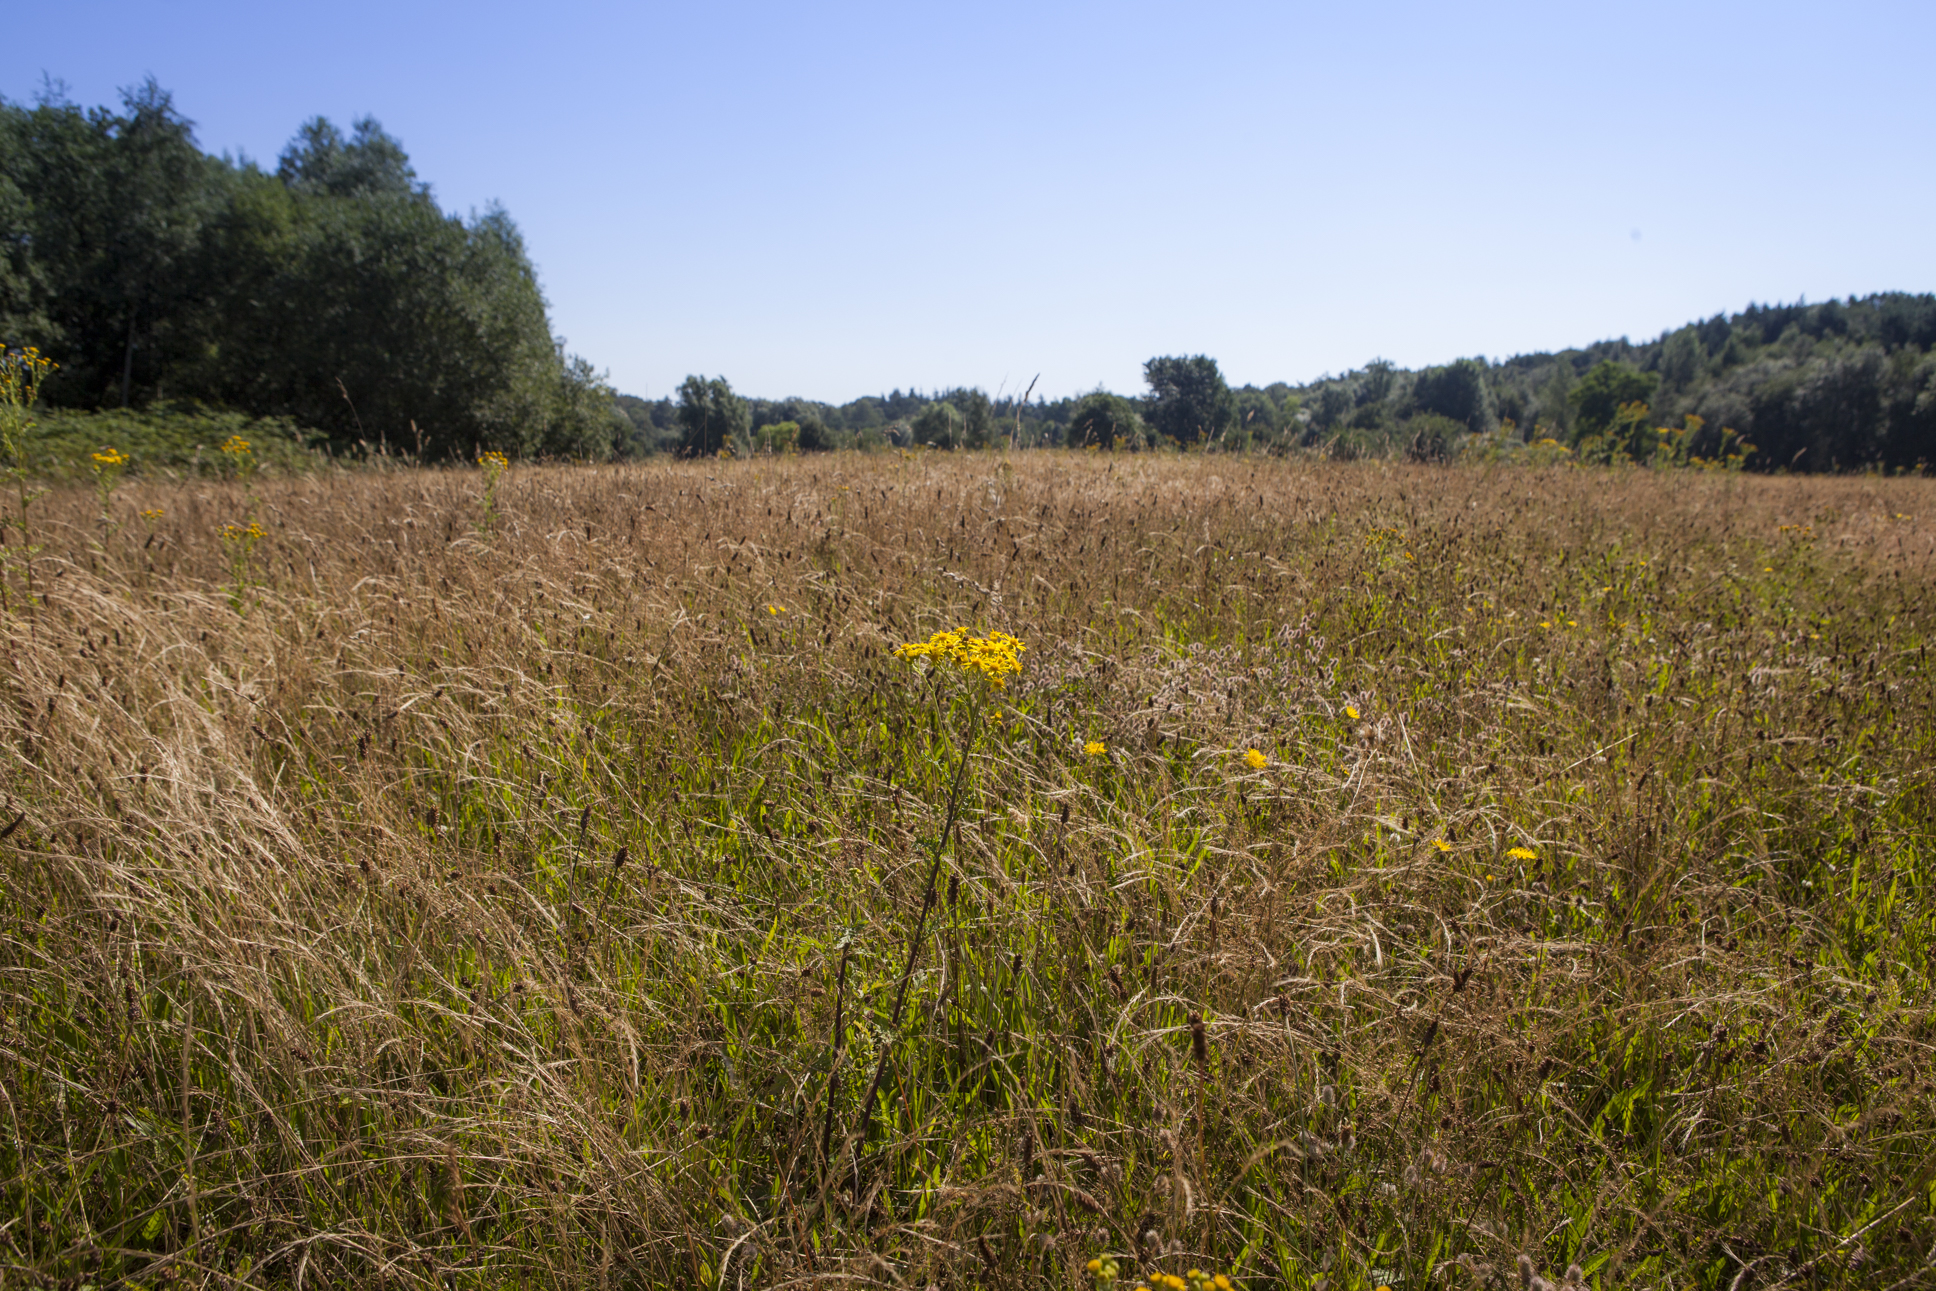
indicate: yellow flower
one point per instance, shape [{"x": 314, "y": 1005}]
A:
[
  {"x": 1094, "y": 1266},
  {"x": 1095, "y": 748},
  {"x": 1522, "y": 853},
  {"x": 1441, "y": 844},
  {"x": 1256, "y": 760},
  {"x": 152, "y": 514},
  {"x": 493, "y": 461},
  {"x": 236, "y": 446},
  {"x": 996, "y": 656},
  {"x": 1351, "y": 712},
  {"x": 776, "y": 609},
  {"x": 108, "y": 458},
  {"x": 1221, "y": 1282}
]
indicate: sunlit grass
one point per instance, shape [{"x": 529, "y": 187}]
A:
[{"x": 1365, "y": 874}]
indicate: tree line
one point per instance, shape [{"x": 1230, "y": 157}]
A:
[
  {"x": 1189, "y": 403},
  {"x": 331, "y": 290},
  {"x": 1837, "y": 385}
]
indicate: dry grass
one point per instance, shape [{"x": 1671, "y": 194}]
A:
[{"x": 403, "y": 903}]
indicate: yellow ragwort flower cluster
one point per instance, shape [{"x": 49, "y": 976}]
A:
[
  {"x": 22, "y": 370},
  {"x": 494, "y": 461},
  {"x": 252, "y": 532},
  {"x": 1194, "y": 1280},
  {"x": 1106, "y": 1270},
  {"x": 236, "y": 446},
  {"x": 996, "y": 657},
  {"x": 109, "y": 458}
]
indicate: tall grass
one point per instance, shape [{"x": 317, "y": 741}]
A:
[{"x": 442, "y": 895}]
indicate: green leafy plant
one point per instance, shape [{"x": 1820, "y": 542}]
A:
[
  {"x": 966, "y": 673},
  {"x": 495, "y": 466},
  {"x": 21, "y": 374},
  {"x": 108, "y": 465},
  {"x": 239, "y": 544}
]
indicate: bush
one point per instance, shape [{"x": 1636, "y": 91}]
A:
[
  {"x": 1104, "y": 420},
  {"x": 166, "y": 440},
  {"x": 1430, "y": 437}
]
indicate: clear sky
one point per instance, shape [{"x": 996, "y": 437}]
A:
[{"x": 831, "y": 200}]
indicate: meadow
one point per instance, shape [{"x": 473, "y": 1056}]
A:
[{"x": 1374, "y": 875}]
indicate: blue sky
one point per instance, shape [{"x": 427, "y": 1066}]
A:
[{"x": 832, "y": 200}]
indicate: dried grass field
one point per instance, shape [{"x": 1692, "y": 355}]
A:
[{"x": 1375, "y": 875}]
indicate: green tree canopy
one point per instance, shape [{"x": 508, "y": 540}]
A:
[
  {"x": 320, "y": 160},
  {"x": 977, "y": 416},
  {"x": 711, "y": 417},
  {"x": 333, "y": 291},
  {"x": 938, "y": 424},
  {"x": 1105, "y": 420},
  {"x": 1188, "y": 399},
  {"x": 1456, "y": 391},
  {"x": 110, "y": 213},
  {"x": 1597, "y": 399}
]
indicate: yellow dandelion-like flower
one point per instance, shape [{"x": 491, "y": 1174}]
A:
[
  {"x": 1522, "y": 853},
  {"x": 1094, "y": 1266},
  {"x": 1095, "y": 748},
  {"x": 1255, "y": 759},
  {"x": 1546, "y": 623},
  {"x": 1221, "y": 1282},
  {"x": 1351, "y": 712},
  {"x": 153, "y": 514},
  {"x": 1441, "y": 845},
  {"x": 776, "y": 609}
]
